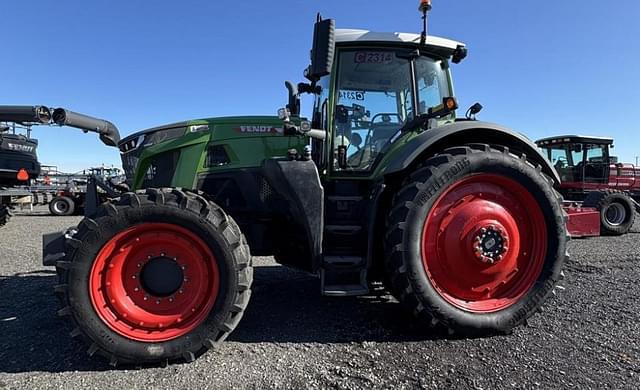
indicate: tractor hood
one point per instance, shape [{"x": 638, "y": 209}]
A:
[
  {"x": 265, "y": 132},
  {"x": 220, "y": 129}
]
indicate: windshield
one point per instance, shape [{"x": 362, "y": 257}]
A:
[
  {"x": 374, "y": 99},
  {"x": 576, "y": 162}
]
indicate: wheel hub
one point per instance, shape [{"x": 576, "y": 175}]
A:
[
  {"x": 161, "y": 276},
  {"x": 490, "y": 244}
]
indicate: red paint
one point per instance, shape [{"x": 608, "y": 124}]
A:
[
  {"x": 583, "y": 221},
  {"x": 119, "y": 299},
  {"x": 473, "y": 203}
]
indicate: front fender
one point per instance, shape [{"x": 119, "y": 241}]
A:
[{"x": 460, "y": 133}]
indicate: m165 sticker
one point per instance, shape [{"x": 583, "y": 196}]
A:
[{"x": 252, "y": 129}]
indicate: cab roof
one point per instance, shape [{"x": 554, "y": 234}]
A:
[
  {"x": 573, "y": 139},
  {"x": 346, "y": 36}
]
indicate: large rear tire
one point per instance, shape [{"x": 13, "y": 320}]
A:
[
  {"x": 476, "y": 241},
  {"x": 157, "y": 276},
  {"x": 617, "y": 212},
  {"x": 5, "y": 214},
  {"x": 62, "y": 206}
]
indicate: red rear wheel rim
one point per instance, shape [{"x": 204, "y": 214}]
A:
[
  {"x": 484, "y": 243},
  {"x": 154, "y": 306}
]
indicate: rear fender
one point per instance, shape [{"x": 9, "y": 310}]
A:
[{"x": 436, "y": 140}]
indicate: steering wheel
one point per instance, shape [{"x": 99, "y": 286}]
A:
[{"x": 385, "y": 115}]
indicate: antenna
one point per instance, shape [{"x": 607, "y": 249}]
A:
[{"x": 425, "y": 6}]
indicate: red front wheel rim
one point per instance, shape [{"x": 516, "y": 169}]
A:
[
  {"x": 484, "y": 243},
  {"x": 154, "y": 282}
]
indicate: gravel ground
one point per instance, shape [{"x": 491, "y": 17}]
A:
[{"x": 291, "y": 337}]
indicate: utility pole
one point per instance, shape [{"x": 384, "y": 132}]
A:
[{"x": 637, "y": 160}]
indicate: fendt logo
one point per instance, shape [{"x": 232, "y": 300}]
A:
[
  {"x": 20, "y": 148},
  {"x": 259, "y": 129}
]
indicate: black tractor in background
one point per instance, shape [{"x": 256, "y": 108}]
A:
[{"x": 18, "y": 159}]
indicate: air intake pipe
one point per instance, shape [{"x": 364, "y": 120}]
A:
[{"x": 108, "y": 132}]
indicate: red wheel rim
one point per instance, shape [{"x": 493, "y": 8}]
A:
[
  {"x": 484, "y": 243},
  {"x": 154, "y": 306}
]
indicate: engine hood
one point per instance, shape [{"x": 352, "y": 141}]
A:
[{"x": 221, "y": 128}]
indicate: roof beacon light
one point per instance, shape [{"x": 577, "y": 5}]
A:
[{"x": 425, "y": 6}]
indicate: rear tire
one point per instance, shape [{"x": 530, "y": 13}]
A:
[
  {"x": 475, "y": 241},
  {"x": 157, "y": 276},
  {"x": 62, "y": 206},
  {"x": 617, "y": 212},
  {"x": 5, "y": 214}
]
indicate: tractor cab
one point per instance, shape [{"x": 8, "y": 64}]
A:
[
  {"x": 582, "y": 162},
  {"x": 370, "y": 89}
]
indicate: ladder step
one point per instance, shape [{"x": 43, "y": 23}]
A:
[
  {"x": 337, "y": 198},
  {"x": 343, "y": 261},
  {"x": 343, "y": 229},
  {"x": 344, "y": 290},
  {"x": 342, "y": 276}
]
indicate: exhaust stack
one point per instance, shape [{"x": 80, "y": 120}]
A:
[{"x": 108, "y": 132}]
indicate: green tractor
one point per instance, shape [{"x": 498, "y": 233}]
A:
[{"x": 458, "y": 218}]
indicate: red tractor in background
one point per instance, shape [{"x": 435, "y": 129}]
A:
[{"x": 590, "y": 175}]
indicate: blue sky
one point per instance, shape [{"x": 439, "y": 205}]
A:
[{"x": 542, "y": 68}]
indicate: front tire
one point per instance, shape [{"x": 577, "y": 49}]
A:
[
  {"x": 156, "y": 276},
  {"x": 475, "y": 241}
]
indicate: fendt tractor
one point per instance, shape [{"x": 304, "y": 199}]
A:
[
  {"x": 459, "y": 218},
  {"x": 590, "y": 175},
  {"x": 18, "y": 160}
]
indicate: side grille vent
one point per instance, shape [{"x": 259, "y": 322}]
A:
[{"x": 216, "y": 156}]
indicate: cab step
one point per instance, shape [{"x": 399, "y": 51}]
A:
[{"x": 343, "y": 276}]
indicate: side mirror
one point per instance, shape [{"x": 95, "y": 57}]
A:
[
  {"x": 323, "y": 50},
  {"x": 473, "y": 111}
]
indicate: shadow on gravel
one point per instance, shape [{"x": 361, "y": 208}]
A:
[
  {"x": 285, "y": 307},
  {"x": 33, "y": 337}
]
